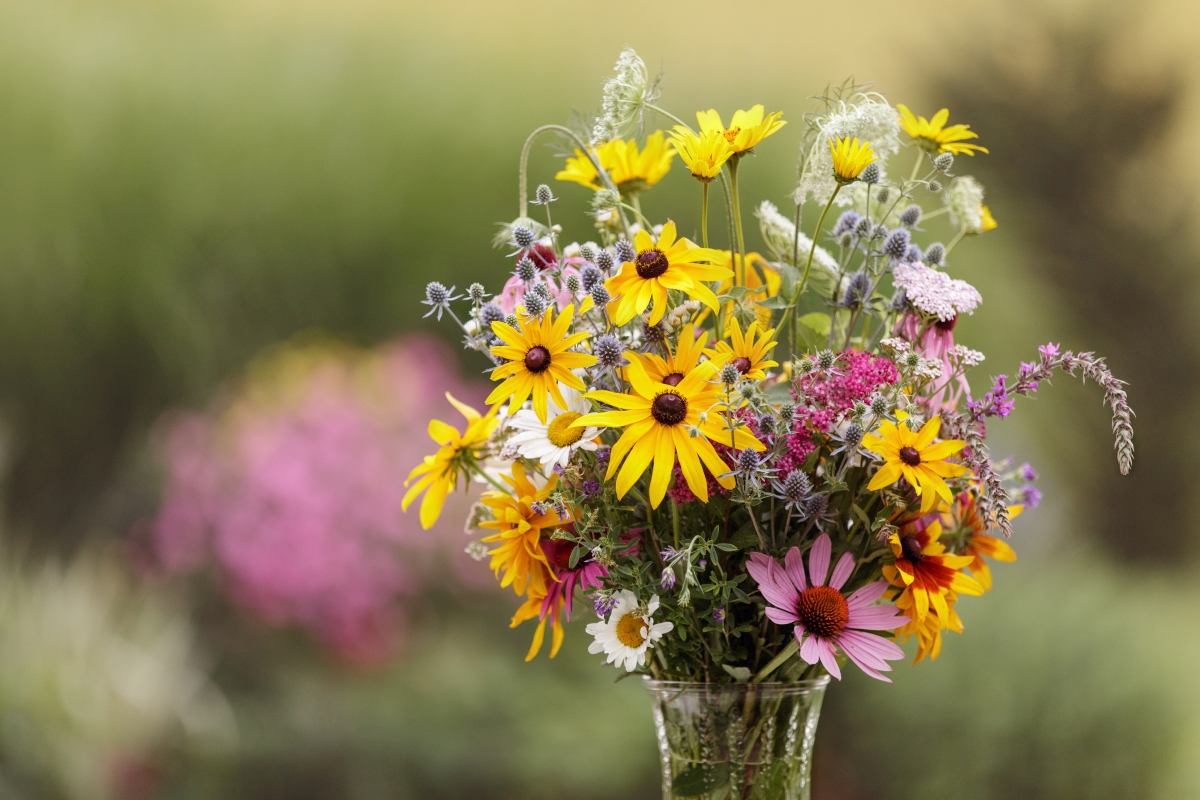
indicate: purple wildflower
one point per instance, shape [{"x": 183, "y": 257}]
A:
[
  {"x": 668, "y": 579},
  {"x": 718, "y": 614},
  {"x": 1048, "y": 350},
  {"x": 603, "y": 603},
  {"x": 1028, "y": 473},
  {"x": 1030, "y": 495}
]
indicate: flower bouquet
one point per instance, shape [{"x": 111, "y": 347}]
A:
[{"x": 760, "y": 469}]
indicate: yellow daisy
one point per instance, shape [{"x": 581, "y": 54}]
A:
[
  {"x": 933, "y": 136},
  {"x": 537, "y": 358},
  {"x": 704, "y": 153},
  {"x": 929, "y": 629},
  {"x": 678, "y": 364},
  {"x": 531, "y": 609},
  {"x": 964, "y": 518},
  {"x": 631, "y": 169},
  {"x": 748, "y": 353},
  {"x": 519, "y": 525},
  {"x": 766, "y": 285},
  {"x": 987, "y": 221},
  {"x": 439, "y": 472},
  {"x": 850, "y": 158},
  {"x": 746, "y": 129},
  {"x": 915, "y": 457},
  {"x": 669, "y": 263},
  {"x": 659, "y": 420}
]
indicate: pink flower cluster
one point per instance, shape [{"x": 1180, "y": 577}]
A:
[
  {"x": 823, "y": 398},
  {"x": 293, "y": 490},
  {"x": 935, "y": 292}
]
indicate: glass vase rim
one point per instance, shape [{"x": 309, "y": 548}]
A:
[{"x": 809, "y": 684}]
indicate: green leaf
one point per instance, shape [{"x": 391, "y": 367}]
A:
[
  {"x": 770, "y": 782},
  {"x": 789, "y": 278},
  {"x": 740, "y": 674},
  {"x": 778, "y": 301},
  {"x": 744, "y": 539},
  {"x": 726, "y": 546},
  {"x": 862, "y": 515},
  {"x": 576, "y": 554},
  {"x": 700, "y": 779},
  {"x": 817, "y": 322}
]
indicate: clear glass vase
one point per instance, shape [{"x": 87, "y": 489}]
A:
[{"x": 737, "y": 741}]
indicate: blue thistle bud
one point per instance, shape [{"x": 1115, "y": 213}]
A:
[
  {"x": 534, "y": 304},
  {"x": 846, "y": 239},
  {"x": 935, "y": 254},
  {"x": 899, "y": 299},
  {"x": 591, "y": 276},
  {"x": 747, "y": 461},
  {"x": 490, "y": 313},
  {"x": 653, "y": 334},
  {"x": 607, "y": 349},
  {"x": 913, "y": 254},
  {"x": 588, "y": 251},
  {"x": 862, "y": 228},
  {"x": 935, "y": 187},
  {"x": 438, "y": 297},
  {"x": 846, "y": 222},
  {"x": 944, "y": 162},
  {"x": 856, "y": 290},
  {"x": 572, "y": 284},
  {"x": 911, "y": 216},
  {"x": 604, "y": 261},
  {"x": 625, "y": 251},
  {"x": 477, "y": 293},
  {"x": 826, "y": 359},
  {"x": 542, "y": 291},
  {"x": 853, "y": 436},
  {"x": 600, "y": 295},
  {"x": 787, "y": 413},
  {"x": 511, "y": 320},
  {"x": 879, "y": 405},
  {"x": 871, "y": 174},
  {"x": 730, "y": 375},
  {"x": 526, "y": 269},
  {"x": 543, "y": 196},
  {"x": 797, "y": 486},
  {"x": 896, "y": 244},
  {"x": 522, "y": 236},
  {"x": 883, "y": 195}
]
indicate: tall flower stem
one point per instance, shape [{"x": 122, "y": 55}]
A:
[
  {"x": 958, "y": 238},
  {"x": 704, "y": 214},
  {"x": 816, "y": 234},
  {"x": 523, "y": 174},
  {"x": 737, "y": 211}
]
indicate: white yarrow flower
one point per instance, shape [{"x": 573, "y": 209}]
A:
[
  {"x": 629, "y": 632},
  {"x": 554, "y": 441}
]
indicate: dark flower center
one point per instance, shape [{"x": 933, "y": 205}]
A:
[
  {"x": 651, "y": 263},
  {"x": 911, "y": 548},
  {"x": 537, "y": 359},
  {"x": 562, "y": 553},
  {"x": 908, "y": 455},
  {"x": 674, "y": 379},
  {"x": 823, "y": 610},
  {"x": 947, "y": 325},
  {"x": 540, "y": 254},
  {"x": 742, "y": 363},
  {"x": 669, "y": 408}
]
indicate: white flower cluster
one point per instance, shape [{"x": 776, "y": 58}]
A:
[
  {"x": 779, "y": 232},
  {"x": 965, "y": 357},
  {"x": 935, "y": 293},
  {"x": 965, "y": 201},
  {"x": 680, "y": 314},
  {"x": 894, "y": 346},
  {"x": 869, "y": 118},
  {"x": 625, "y": 97}
]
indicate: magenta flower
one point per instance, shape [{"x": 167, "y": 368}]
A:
[
  {"x": 826, "y": 619},
  {"x": 1049, "y": 350}
]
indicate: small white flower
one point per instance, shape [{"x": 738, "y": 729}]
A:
[
  {"x": 554, "y": 441},
  {"x": 965, "y": 200},
  {"x": 629, "y": 632},
  {"x": 965, "y": 356}
]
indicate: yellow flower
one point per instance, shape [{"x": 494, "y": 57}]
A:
[
  {"x": 704, "y": 153},
  {"x": 928, "y": 630},
  {"x": 987, "y": 221},
  {"x": 964, "y": 518},
  {"x": 746, "y": 129},
  {"x": 933, "y": 135},
  {"x": 748, "y": 353},
  {"x": 914, "y": 457},
  {"x": 519, "y": 527},
  {"x": 531, "y": 608},
  {"x": 767, "y": 285},
  {"x": 668, "y": 263},
  {"x": 633, "y": 171},
  {"x": 677, "y": 365},
  {"x": 850, "y": 158},
  {"x": 439, "y": 472},
  {"x": 659, "y": 420},
  {"x": 537, "y": 359},
  {"x": 924, "y": 572}
]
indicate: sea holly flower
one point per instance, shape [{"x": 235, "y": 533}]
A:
[
  {"x": 704, "y": 153},
  {"x": 748, "y": 353},
  {"x": 519, "y": 518},
  {"x": 850, "y": 158},
  {"x": 934, "y": 136},
  {"x": 659, "y": 420},
  {"x": 925, "y": 572},
  {"x": 538, "y": 360},
  {"x": 554, "y": 441},
  {"x": 915, "y": 457},
  {"x": 437, "y": 475},
  {"x": 746, "y": 128},
  {"x": 629, "y": 632},
  {"x": 825, "y": 619},
  {"x": 658, "y": 265}
]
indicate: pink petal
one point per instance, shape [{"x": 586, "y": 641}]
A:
[
  {"x": 875, "y": 618},
  {"x": 869, "y": 647},
  {"x": 818, "y": 560},
  {"x": 841, "y": 573},
  {"x": 810, "y": 649},
  {"x": 795, "y": 568},
  {"x": 757, "y": 567},
  {"x": 829, "y": 657},
  {"x": 778, "y": 589},
  {"x": 782, "y": 617},
  {"x": 865, "y": 668},
  {"x": 867, "y": 594}
]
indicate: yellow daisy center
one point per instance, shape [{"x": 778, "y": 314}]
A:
[
  {"x": 629, "y": 630},
  {"x": 731, "y": 134},
  {"x": 560, "y": 433}
]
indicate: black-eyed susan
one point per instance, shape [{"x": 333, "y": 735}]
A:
[
  {"x": 704, "y": 153},
  {"x": 746, "y": 128},
  {"x": 520, "y": 517},
  {"x": 850, "y": 158},
  {"x": 659, "y": 421},
  {"x": 438, "y": 473},
  {"x": 749, "y": 353},
  {"x": 537, "y": 359},
  {"x": 631, "y": 168},
  {"x": 668, "y": 263},
  {"x": 928, "y": 630},
  {"x": 924, "y": 572},
  {"x": 680, "y": 362},
  {"x": 915, "y": 456},
  {"x": 933, "y": 135},
  {"x": 966, "y": 524}
]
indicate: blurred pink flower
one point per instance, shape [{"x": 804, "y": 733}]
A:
[
  {"x": 293, "y": 490},
  {"x": 514, "y": 289}
]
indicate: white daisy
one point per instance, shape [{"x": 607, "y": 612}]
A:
[
  {"x": 628, "y": 634},
  {"x": 554, "y": 441}
]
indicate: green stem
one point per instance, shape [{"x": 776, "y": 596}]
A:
[
  {"x": 956, "y": 240},
  {"x": 737, "y": 211},
  {"x": 777, "y": 662},
  {"x": 816, "y": 234},
  {"x": 704, "y": 214},
  {"x": 481, "y": 473},
  {"x": 916, "y": 166},
  {"x": 669, "y": 115},
  {"x": 523, "y": 175}
]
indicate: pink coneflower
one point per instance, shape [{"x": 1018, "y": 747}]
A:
[
  {"x": 587, "y": 574},
  {"x": 826, "y": 619}
]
